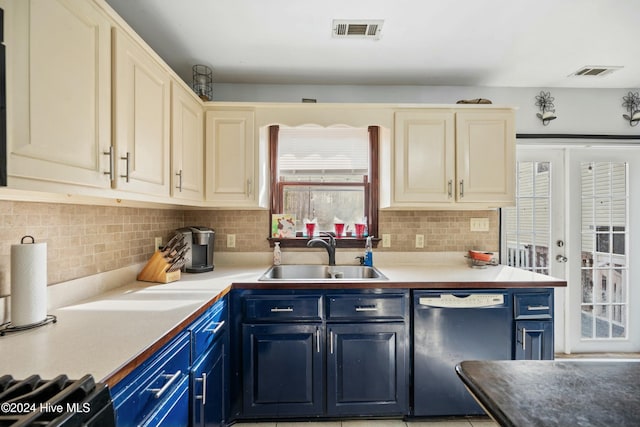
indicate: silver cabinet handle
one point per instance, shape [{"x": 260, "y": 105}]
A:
[
  {"x": 282, "y": 310},
  {"x": 462, "y": 188},
  {"x": 112, "y": 160},
  {"x": 366, "y": 308},
  {"x": 215, "y": 330},
  {"x": 331, "y": 342},
  {"x": 537, "y": 307},
  {"x": 318, "y": 339},
  {"x": 249, "y": 187},
  {"x": 179, "y": 186},
  {"x": 203, "y": 380},
  {"x": 127, "y": 158},
  {"x": 450, "y": 188},
  {"x": 160, "y": 391},
  {"x": 524, "y": 341}
]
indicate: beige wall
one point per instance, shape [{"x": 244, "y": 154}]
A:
[{"x": 84, "y": 240}]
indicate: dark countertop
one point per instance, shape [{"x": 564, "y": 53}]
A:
[{"x": 556, "y": 393}]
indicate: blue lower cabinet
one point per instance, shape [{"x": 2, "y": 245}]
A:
[
  {"x": 210, "y": 387},
  {"x": 282, "y": 370},
  {"x": 158, "y": 389},
  {"x": 534, "y": 340},
  {"x": 174, "y": 410},
  {"x": 366, "y": 369}
]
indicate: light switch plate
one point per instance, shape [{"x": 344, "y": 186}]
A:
[
  {"x": 157, "y": 242},
  {"x": 386, "y": 240},
  {"x": 479, "y": 224},
  {"x": 419, "y": 240},
  {"x": 231, "y": 240}
]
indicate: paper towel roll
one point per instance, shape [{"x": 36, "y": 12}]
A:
[{"x": 28, "y": 283}]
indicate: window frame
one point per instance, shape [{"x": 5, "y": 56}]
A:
[{"x": 370, "y": 184}]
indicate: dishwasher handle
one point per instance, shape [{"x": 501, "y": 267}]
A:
[{"x": 462, "y": 300}]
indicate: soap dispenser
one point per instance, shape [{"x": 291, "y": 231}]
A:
[
  {"x": 368, "y": 252},
  {"x": 277, "y": 254}
]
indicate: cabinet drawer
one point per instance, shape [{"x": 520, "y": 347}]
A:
[
  {"x": 283, "y": 308},
  {"x": 142, "y": 392},
  {"x": 533, "y": 305},
  {"x": 365, "y": 307},
  {"x": 209, "y": 327}
]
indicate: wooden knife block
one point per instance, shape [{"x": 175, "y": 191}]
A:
[{"x": 155, "y": 270}]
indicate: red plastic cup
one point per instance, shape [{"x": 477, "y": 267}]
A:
[
  {"x": 360, "y": 230},
  {"x": 311, "y": 227},
  {"x": 339, "y": 229}
]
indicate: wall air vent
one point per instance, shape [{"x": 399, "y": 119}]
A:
[
  {"x": 595, "y": 71},
  {"x": 352, "y": 28}
]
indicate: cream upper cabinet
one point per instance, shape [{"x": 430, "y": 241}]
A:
[
  {"x": 424, "y": 157},
  {"x": 453, "y": 159},
  {"x": 485, "y": 146},
  {"x": 187, "y": 145},
  {"x": 59, "y": 93},
  {"x": 141, "y": 96},
  {"x": 230, "y": 159}
]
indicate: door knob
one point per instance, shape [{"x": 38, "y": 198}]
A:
[{"x": 561, "y": 258}]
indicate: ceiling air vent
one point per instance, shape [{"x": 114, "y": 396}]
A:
[
  {"x": 364, "y": 29},
  {"x": 595, "y": 71}
]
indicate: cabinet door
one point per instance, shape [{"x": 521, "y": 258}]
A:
[
  {"x": 60, "y": 62},
  {"x": 187, "y": 145},
  {"x": 141, "y": 99},
  {"x": 282, "y": 370},
  {"x": 210, "y": 385},
  {"x": 366, "y": 369},
  {"x": 534, "y": 340},
  {"x": 424, "y": 157},
  {"x": 230, "y": 162},
  {"x": 485, "y": 144}
]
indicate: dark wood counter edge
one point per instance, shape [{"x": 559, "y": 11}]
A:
[
  {"x": 116, "y": 376},
  {"x": 483, "y": 400},
  {"x": 385, "y": 284}
]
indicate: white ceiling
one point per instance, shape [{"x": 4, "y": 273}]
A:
[{"x": 501, "y": 43}]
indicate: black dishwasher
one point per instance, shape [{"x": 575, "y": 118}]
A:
[{"x": 450, "y": 327}]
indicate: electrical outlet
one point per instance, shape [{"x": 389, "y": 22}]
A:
[
  {"x": 419, "y": 240},
  {"x": 386, "y": 240},
  {"x": 231, "y": 240},
  {"x": 157, "y": 242},
  {"x": 479, "y": 224}
]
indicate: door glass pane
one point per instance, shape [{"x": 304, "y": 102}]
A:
[
  {"x": 527, "y": 225},
  {"x": 604, "y": 267}
]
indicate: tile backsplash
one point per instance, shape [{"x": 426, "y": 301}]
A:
[{"x": 83, "y": 240}]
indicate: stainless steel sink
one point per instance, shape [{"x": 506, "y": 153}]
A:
[{"x": 302, "y": 272}]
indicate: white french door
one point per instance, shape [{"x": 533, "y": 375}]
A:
[
  {"x": 603, "y": 310},
  {"x": 573, "y": 220},
  {"x": 533, "y": 234}
]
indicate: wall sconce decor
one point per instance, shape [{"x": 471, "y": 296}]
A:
[
  {"x": 632, "y": 103},
  {"x": 203, "y": 82},
  {"x": 544, "y": 101}
]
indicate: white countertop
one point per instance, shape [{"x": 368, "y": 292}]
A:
[{"x": 100, "y": 335}]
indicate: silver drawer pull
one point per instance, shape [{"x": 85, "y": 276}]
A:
[
  {"x": 537, "y": 307},
  {"x": 160, "y": 391},
  {"x": 217, "y": 328},
  {"x": 203, "y": 380},
  {"x": 282, "y": 310},
  {"x": 366, "y": 308}
]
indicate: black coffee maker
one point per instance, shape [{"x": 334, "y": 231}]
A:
[{"x": 200, "y": 239}]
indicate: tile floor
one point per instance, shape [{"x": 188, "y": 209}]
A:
[{"x": 460, "y": 422}]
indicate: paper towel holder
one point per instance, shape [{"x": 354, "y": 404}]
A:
[{"x": 8, "y": 327}]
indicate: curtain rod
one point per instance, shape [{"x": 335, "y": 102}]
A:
[{"x": 574, "y": 136}]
